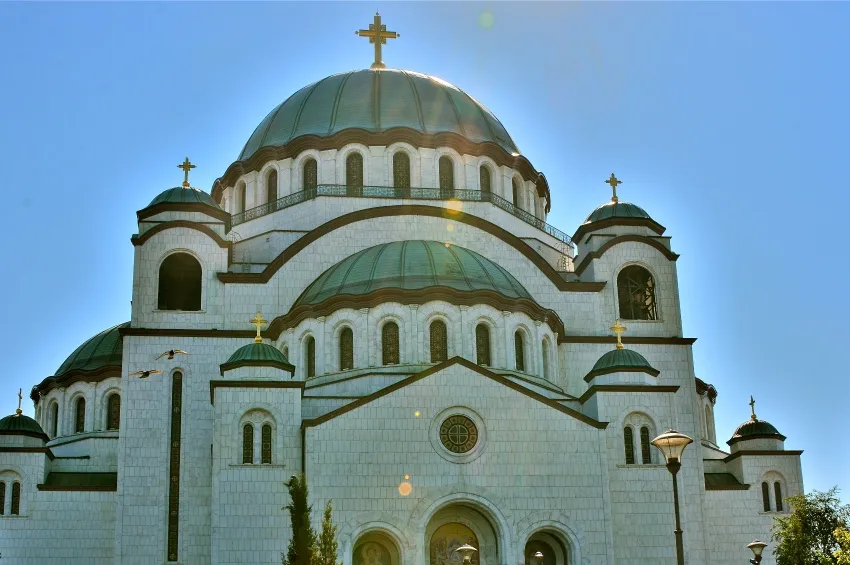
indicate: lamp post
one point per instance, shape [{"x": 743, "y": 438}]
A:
[
  {"x": 466, "y": 552},
  {"x": 757, "y": 547},
  {"x": 538, "y": 557},
  {"x": 672, "y": 444}
]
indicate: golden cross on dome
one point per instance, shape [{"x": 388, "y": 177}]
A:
[
  {"x": 258, "y": 321},
  {"x": 186, "y": 166},
  {"x": 20, "y": 398},
  {"x": 378, "y": 35},
  {"x": 614, "y": 182},
  {"x": 753, "y": 408},
  {"x": 618, "y": 329}
]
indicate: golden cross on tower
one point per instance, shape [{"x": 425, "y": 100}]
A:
[
  {"x": 186, "y": 166},
  {"x": 618, "y": 329},
  {"x": 378, "y": 35},
  {"x": 258, "y": 321},
  {"x": 20, "y": 397},
  {"x": 753, "y": 408},
  {"x": 614, "y": 182}
]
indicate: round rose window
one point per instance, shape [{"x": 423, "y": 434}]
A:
[{"x": 458, "y": 434}]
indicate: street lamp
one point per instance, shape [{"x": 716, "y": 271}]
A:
[
  {"x": 466, "y": 552},
  {"x": 757, "y": 547},
  {"x": 672, "y": 444},
  {"x": 538, "y": 557}
]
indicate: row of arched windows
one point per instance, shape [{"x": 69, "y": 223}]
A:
[
  {"x": 113, "y": 415},
  {"x": 248, "y": 444},
  {"x": 15, "y": 506},
  {"x": 438, "y": 332},
  {"x": 765, "y": 496}
]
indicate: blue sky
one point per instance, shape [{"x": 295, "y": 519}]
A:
[{"x": 727, "y": 122}]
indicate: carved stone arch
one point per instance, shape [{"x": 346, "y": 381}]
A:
[
  {"x": 484, "y": 317},
  {"x": 297, "y": 171},
  {"x": 355, "y": 529},
  {"x": 615, "y": 288},
  {"x": 637, "y": 419},
  {"x": 102, "y": 405},
  {"x": 493, "y": 169},
  {"x": 310, "y": 331},
  {"x": 75, "y": 393},
  {"x": 385, "y": 318},
  {"x": 528, "y": 341},
  {"x": 342, "y": 158},
  {"x": 459, "y": 177},
  {"x": 554, "y": 521}
]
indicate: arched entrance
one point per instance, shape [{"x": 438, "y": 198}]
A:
[
  {"x": 456, "y": 525},
  {"x": 551, "y": 545},
  {"x": 375, "y": 548}
]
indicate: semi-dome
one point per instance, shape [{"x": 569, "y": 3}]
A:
[
  {"x": 19, "y": 424},
  {"x": 755, "y": 429},
  {"x": 257, "y": 355},
  {"x": 412, "y": 265},
  {"x": 378, "y": 101},
  {"x": 182, "y": 195},
  {"x": 624, "y": 360}
]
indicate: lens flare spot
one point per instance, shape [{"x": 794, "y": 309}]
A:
[
  {"x": 454, "y": 206},
  {"x": 450, "y": 227},
  {"x": 486, "y": 19},
  {"x": 417, "y": 413},
  {"x": 405, "y": 488},
  {"x": 407, "y": 477}
]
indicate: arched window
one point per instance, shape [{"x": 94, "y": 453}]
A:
[
  {"x": 519, "y": 351},
  {"x": 16, "y": 499},
  {"x": 401, "y": 171},
  {"x": 346, "y": 349},
  {"x": 765, "y": 496},
  {"x": 179, "y": 283},
  {"x": 777, "y": 492},
  {"x": 266, "y": 451},
  {"x": 247, "y": 444},
  {"x": 2, "y": 498},
  {"x": 636, "y": 292},
  {"x": 310, "y": 355},
  {"x": 484, "y": 181},
  {"x": 389, "y": 344},
  {"x": 439, "y": 341},
  {"x": 113, "y": 412},
  {"x": 242, "y": 191},
  {"x": 645, "y": 453},
  {"x": 482, "y": 345},
  {"x": 515, "y": 200},
  {"x": 545, "y": 348},
  {"x": 354, "y": 172},
  {"x": 271, "y": 186},
  {"x": 54, "y": 419},
  {"x": 447, "y": 174},
  {"x": 311, "y": 174},
  {"x": 80, "y": 416},
  {"x": 629, "y": 444}
]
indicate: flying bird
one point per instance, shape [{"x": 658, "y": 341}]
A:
[
  {"x": 145, "y": 374},
  {"x": 171, "y": 353}
]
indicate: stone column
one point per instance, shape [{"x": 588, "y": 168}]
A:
[
  {"x": 466, "y": 351},
  {"x": 321, "y": 367},
  {"x": 537, "y": 349},
  {"x": 414, "y": 349},
  {"x": 365, "y": 351},
  {"x": 510, "y": 354}
]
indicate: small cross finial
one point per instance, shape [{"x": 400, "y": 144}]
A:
[
  {"x": 20, "y": 398},
  {"x": 258, "y": 321},
  {"x": 753, "y": 408},
  {"x": 614, "y": 182},
  {"x": 186, "y": 166},
  {"x": 618, "y": 329},
  {"x": 378, "y": 35}
]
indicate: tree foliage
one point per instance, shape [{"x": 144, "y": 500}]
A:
[
  {"x": 304, "y": 547},
  {"x": 842, "y": 556},
  {"x": 325, "y": 552},
  {"x": 808, "y": 535}
]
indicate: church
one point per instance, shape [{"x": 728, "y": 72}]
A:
[{"x": 371, "y": 294}]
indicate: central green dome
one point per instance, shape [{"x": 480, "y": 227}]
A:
[
  {"x": 378, "y": 101},
  {"x": 412, "y": 265}
]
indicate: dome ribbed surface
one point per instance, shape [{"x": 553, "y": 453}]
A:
[
  {"x": 377, "y": 101},
  {"x": 18, "y": 423},
  {"x": 616, "y": 210},
  {"x": 621, "y": 360},
  {"x": 754, "y": 429},
  {"x": 180, "y": 195},
  {"x": 257, "y": 354},
  {"x": 412, "y": 265},
  {"x": 102, "y": 350}
]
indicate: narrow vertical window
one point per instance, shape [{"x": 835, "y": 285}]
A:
[
  {"x": 401, "y": 172},
  {"x": 266, "y": 452},
  {"x": 484, "y": 182},
  {"x": 346, "y": 349},
  {"x": 80, "y": 416},
  {"x": 2, "y": 498},
  {"x": 636, "y": 294},
  {"x": 482, "y": 345},
  {"x": 765, "y": 497},
  {"x": 271, "y": 186},
  {"x": 354, "y": 173},
  {"x": 519, "y": 351},
  {"x": 243, "y": 194},
  {"x": 629, "y": 444},
  {"x": 311, "y": 174},
  {"x": 777, "y": 492},
  {"x": 174, "y": 466},
  {"x": 113, "y": 412},
  {"x": 389, "y": 344},
  {"x": 247, "y": 444},
  {"x": 16, "y": 499},
  {"x": 515, "y": 199},
  {"x": 439, "y": 341},
  {"x": 447, "y": 175},
  {"x": 545, "y": 351},
  {"x": 310, "y": 354},
  {"x": 54, "y": 419},
  {"x": 645, "y": 453}
]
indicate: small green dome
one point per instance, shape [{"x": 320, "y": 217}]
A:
[
  {"x": 755, "y": 429},
  {"x": 412, "y": 265},
  {"x": 18, "y": 424},
  {"x": 180, "y": 195},
  {"x": 257, "y": 355},
  {"x": 103, "y": 350},
  {"x": 378, "y": 101},
  {"x": 621, "y": 360},
  {"x": 617, "y": 210}
]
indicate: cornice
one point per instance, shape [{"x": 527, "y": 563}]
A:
[
  {"x": 288, "y": 367},
  {"x": 625, "y": 388},
  {"x": 44, "y": 450},
  {"x": 183, "y": 207},
  {"x": 71, "y": 377},
  {"x": 252, "y": 384},
  {"x": 599, "y": 372},
  {"x": 298, "y": 145},
  {"x": 585, "y": 262},
  {"x": 761, "y": 452},
  {"x": 630, "y": 340},
  {"x": 585, "y": 229}
]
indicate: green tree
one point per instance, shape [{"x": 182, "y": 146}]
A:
[
  {"x": 842, "y": 535},
  {"x": 807, "y": 535},
  {"x": 303, "y": 541},
  {"x": 325, "y": 552}
]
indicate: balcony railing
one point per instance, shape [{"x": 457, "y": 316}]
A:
[{"x": 400, "y": 193}]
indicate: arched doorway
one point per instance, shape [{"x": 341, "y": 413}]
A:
[
  {"x": 457, "y": 525},
  {"x": 551, "y": 545},
  {"x": 375, "y": 548}
]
